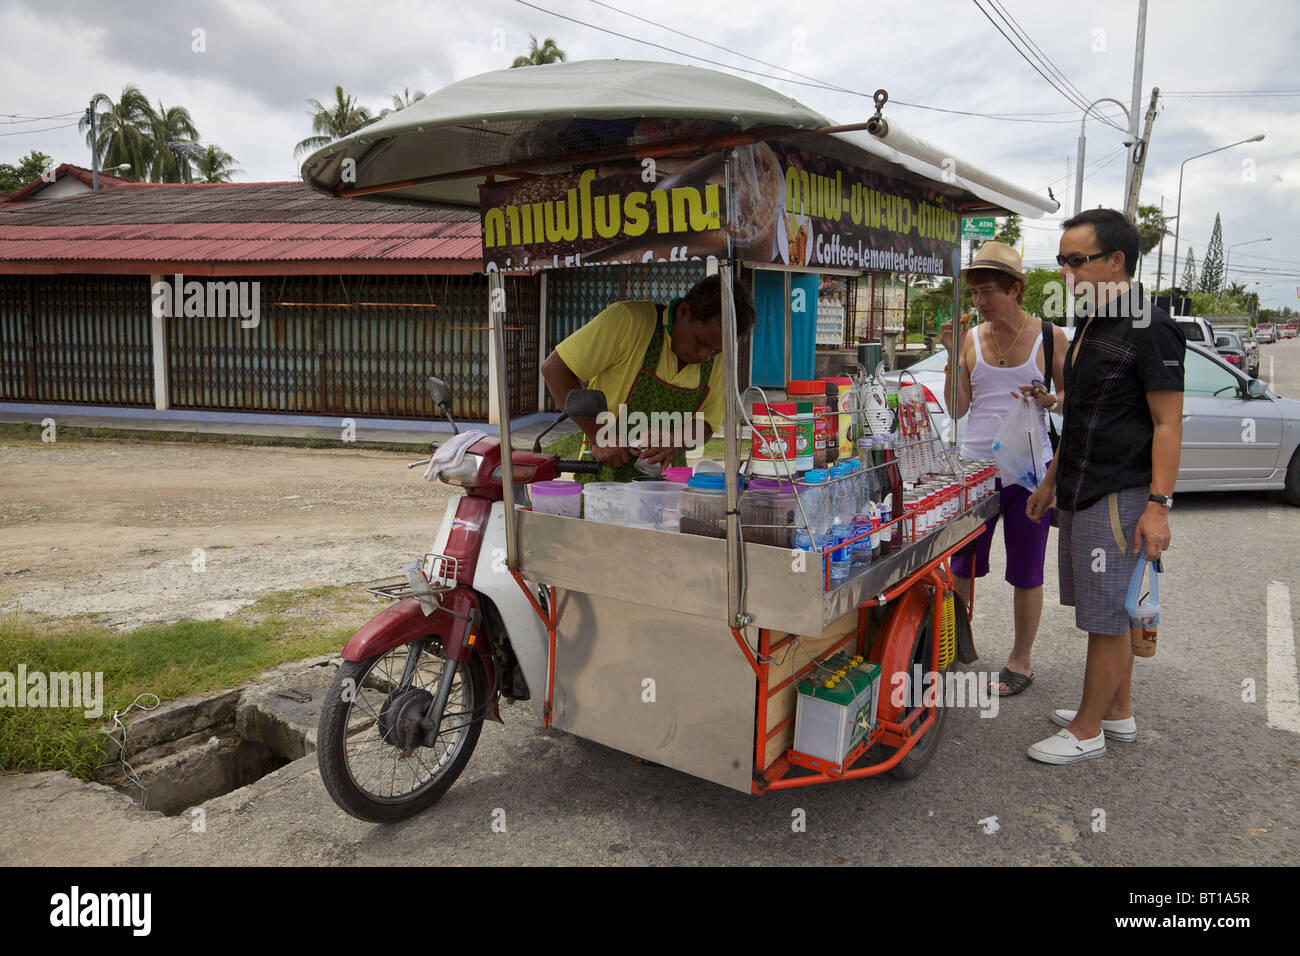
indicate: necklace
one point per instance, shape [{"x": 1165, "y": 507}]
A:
[{"x": 1002, "y": 353}]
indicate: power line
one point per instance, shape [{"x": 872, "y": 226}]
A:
[
  {"x": 28, "y": 132},
  {"x": 1081, "y": 103},
  {"x": 814, "y": 84},
  {"x": 16, "y": 118},
  {"x": 1043, "y": 58}
]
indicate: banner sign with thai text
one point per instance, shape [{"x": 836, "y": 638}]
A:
[{"x": 787, "y": 206}]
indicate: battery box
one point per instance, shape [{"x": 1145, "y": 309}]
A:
[{"x": 837, "y": 707}]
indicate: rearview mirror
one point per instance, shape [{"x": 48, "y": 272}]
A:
[
  {"x": 1255, "y": 388},
  {"x": 585, "y": 403},
  {"x": 439, "y": 391}
]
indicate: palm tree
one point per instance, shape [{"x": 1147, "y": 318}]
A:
[
  {"x": 124, "y": 131},
  {"x": 401, "y": 101},
  {"x": 214, "y": 165},
  {"x": 172, "y": 163},
  {"x": 548, "y": 52},
  {"x": 342, "y": 117}
]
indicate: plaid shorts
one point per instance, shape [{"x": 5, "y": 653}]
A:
[{"x": 1095, "y": 571}]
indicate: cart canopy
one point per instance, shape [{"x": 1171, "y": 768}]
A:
[{"x": 503, "y": 122}]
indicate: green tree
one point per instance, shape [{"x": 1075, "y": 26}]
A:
[
  {"x": 123, "y": 131},
  {"x": 1008, "y": 231},
  {"x": 172, "y": 163},
  {"x": 548, "y": 52},
  {"x": 1212, "y": 270},
  {"x": 214, "y": 165},
  {"x": 339, "y": 119},
  {"x": 1189, "y": 271},
  {"x": 1151, "y": 227},
  {"x": 1045, "y": 295},
  {"x": 29, "y": 167},
  {"x": 401, "y": 101}
]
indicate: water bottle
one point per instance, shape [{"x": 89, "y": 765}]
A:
[
  {"x": 860, "y": 560},
  {"x": 841, "y": 492},
  {"x": 873, "y": 510},
  {"x": 816, "y": 506}
]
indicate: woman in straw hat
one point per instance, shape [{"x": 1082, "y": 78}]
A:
[{"x": 1005, "y": 360}]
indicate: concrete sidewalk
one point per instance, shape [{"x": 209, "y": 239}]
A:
[{"x": 523, "y": 432}]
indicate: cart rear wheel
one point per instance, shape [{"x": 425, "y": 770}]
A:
[{"x": 919, "y": 757}]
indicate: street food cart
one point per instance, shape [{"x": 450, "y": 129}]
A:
[{"x": 681, "y": 649}]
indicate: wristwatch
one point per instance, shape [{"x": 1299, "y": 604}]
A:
[
  {"x": 1056, "y": 401},
  {"x": 1166, "y": 500}
]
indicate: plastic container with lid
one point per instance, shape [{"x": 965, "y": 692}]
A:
[
  {"x": 653, "y": 504},
  {"x": 678, "y": 473},
  {"x": 562, "y": 498},
  {"x": 605, "y": 501},
  {"x": 704, "y": 506},
  {"x": 769, "y": 503}
]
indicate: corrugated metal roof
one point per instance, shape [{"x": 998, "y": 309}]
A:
[{"x": 243, "y": 222}]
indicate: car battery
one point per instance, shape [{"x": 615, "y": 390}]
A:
[{"x": 837, "y": 707}]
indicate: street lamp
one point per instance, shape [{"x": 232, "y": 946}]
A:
[
  {"x": 1078, "y": 176},
  {"x": 1228, "y": 258},
  {"x": 1254, "y": 139}
]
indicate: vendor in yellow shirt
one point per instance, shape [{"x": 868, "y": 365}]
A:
[{"x": 649, "y": 359}]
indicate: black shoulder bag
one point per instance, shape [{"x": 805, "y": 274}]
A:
[{"x": 1049, "y": 343}]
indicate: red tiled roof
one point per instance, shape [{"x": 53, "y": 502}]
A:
[{"x": 148, "y": 227}]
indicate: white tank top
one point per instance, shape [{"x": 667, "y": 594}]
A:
[{"x": 990, "y": 400}]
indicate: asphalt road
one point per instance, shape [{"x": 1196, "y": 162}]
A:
[{"x": 1211, "y": 779}]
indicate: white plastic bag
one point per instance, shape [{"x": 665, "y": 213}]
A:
[{"x": 1018, "y": 445}]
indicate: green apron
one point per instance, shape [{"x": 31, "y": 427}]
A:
[{"x": 649, "y": 393}]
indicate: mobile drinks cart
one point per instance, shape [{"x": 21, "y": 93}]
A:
[{"x": 677, "y": 648}]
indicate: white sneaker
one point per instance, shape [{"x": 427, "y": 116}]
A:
[
  {"x": 1064, "y": 747},
  {"x": 1126, "y": 729}
]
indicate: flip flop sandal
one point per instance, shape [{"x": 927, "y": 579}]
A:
[{"x": 1017, "y": 682}]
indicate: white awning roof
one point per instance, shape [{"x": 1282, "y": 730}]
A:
[{"x": 567, "y": 109}]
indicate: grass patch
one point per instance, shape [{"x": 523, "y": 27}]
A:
[{"x": 170, "y": 660}]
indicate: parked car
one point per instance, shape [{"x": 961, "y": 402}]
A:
[
  {"x": 1196, "y": 329},
  {"x": 1237, "y": 435},
  {"x": 1265, "y": 333},
  {"x": 1230, "y": 346},
  {"x": 1248, "y": 342}
]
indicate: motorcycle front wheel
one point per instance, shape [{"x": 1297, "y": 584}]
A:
[{"x": 363, "y": 767}]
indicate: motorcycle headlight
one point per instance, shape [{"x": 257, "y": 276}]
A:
[{"x": 464, "y": 474}]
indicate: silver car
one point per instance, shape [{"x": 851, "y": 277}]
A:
[{"x": 1237, "y": 435}]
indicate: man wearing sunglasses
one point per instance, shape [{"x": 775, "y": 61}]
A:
[{"x": 1112, "y": 479}]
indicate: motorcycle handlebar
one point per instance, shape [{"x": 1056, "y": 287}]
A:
[{"x": 578, "y": 467}]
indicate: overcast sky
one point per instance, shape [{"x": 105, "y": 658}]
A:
[{"x": 247, "y": 90}]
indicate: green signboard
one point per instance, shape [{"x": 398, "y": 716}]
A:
[{"x": 978, "y": 228}]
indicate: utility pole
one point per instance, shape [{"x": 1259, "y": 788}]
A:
[
  {"x": 1137, "y": 97},
  {"x": 1140, "y": 159},
  {"x": 94, "y": 147}
]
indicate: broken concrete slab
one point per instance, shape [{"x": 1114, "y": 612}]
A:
[
  {"x": 283, "y": 713},
  {"x": 174, "y": 719}
]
